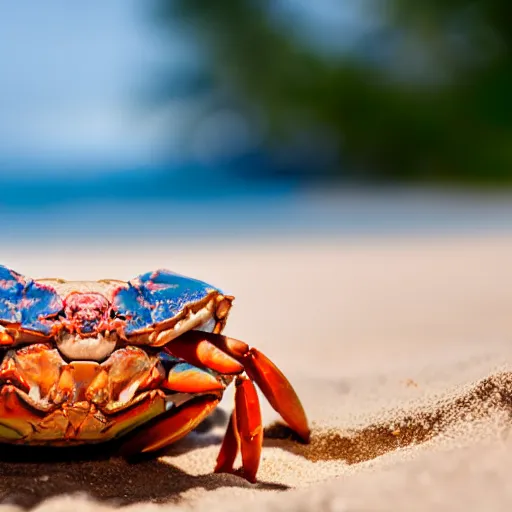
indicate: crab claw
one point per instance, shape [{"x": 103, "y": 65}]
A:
[
  {"x": 170, "y": 428},
  {"x": 245, "y": 432},
  {"x": 199, "y": 351},
  {"x": 278, "y": 391},
  {"x": 229, "y": 448},
  {"x": 186, "y": 378},
  {"x": 260, "y": 369},
  {"x": 5, "y": 339}
]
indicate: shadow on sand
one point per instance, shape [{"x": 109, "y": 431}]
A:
[{"x": 30, "y": 475}]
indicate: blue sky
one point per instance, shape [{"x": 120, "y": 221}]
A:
[
  {"x": 72, "y": 80},
  {"x": 74, "y": 76}
]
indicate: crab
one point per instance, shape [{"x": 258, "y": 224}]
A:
[{"x": 142, "y": 361}]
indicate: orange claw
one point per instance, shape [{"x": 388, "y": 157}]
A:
[
  {"x": 170, "y": 428},
  {"x": 260, "y": 369},
  {"x": 245, "y": 432},
  {"x": 199, "y": 352},
  {"x": 186, "y": 378},
  {"x": 5, "y": 339},
  {"x": 250, "y": 429},
  {"x": 229, "y": 448},
  {"x": 278, "y": 391}
]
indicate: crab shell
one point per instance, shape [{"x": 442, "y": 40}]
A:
[{"x": 63, "y": 387}]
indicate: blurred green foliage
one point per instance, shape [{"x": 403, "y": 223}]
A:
[{"x": 433, "y": 103}]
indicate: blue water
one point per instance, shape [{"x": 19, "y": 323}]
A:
[{"x": 141, "y": 205}]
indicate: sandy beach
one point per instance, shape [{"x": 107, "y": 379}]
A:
[{"x": 400, "y": 349}]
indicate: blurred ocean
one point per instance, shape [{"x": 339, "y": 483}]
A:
[
  {"x": 193, "y": 202},
  {"x": 84, "y": 134}
]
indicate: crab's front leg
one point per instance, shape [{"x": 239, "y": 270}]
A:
[
  {"x": 225, "y": 356},
  {"x": 245, "y": 430},
  {"x": 170, "y": 427},
  {"x": 5, "y": 338},
  {"x": 230, "y": 356},
  {"x": 244, "y": 433}
]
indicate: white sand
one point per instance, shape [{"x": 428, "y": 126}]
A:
[{"x": 400, "y": 350}]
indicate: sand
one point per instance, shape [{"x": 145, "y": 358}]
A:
[{"x": 401, "y": 350}]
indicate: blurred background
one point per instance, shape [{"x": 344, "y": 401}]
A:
[{"x": 158, "y": 119}]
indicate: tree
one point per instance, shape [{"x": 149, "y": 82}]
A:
[{"x": 429, "y": 99}]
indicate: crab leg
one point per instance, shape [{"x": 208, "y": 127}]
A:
[
  {"x": 178, "y": 422},
  {"x": 5, "y": 338},
  {"x": 250, "y": 428},
  {"x": 170, "y": 427},
  {"x": 200, "y": 348},
  {"x": 244, "y": 433},
  {"x": 229, "y": 448},
  {"x": 278, "y": 391},
  {"x": 185, "y": 378},
  {"x": 200, "y": 351}
]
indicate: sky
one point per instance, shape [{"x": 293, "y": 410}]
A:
[{"x": 74, "y": 79}]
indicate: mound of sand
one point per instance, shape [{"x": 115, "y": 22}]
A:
[{"x": 405, "y": 370}]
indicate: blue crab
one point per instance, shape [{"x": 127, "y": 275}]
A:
[{"x": 142, "y": 361}]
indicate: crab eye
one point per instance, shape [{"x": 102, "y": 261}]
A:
[{"x": 113, "y": 315}]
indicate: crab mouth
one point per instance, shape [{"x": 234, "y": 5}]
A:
[{"x": 96, "y": 347}]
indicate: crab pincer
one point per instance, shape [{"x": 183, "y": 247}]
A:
[{"x": 245, "y": 431}]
